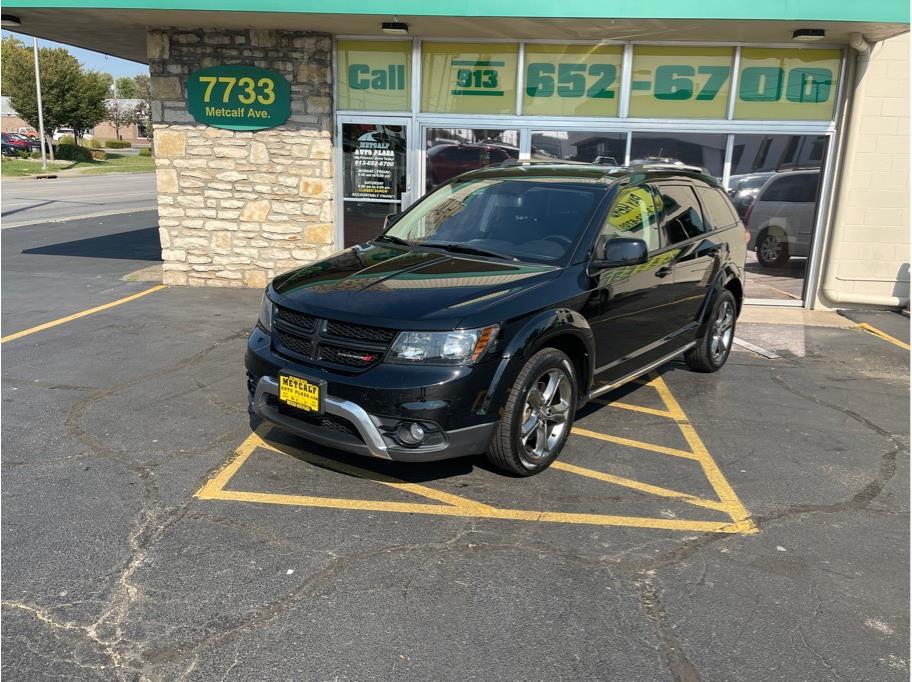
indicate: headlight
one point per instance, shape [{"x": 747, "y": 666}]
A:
[
  {"x": 460, "y": 347},
  {"x": 265, "y": 318}
]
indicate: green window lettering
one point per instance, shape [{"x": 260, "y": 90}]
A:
[
  {"x": 672, "y": 82},
  {"x": 606, "y": 74},
  {"x": 761, "y": 84},
  {"x": 358, "y": 77},
  {"x": 809, "y": 85}
]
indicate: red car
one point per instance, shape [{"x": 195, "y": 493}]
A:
[{"x": 14, "y": 143}]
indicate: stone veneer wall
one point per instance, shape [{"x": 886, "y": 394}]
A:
[{"x": 236, "y": 208}]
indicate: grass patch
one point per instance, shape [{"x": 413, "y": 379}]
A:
[
  {"x": 117, "y": 163},
  {"x": 17, "y": 168}
]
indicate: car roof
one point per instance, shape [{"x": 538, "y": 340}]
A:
[{"x": 587, "y": 171}]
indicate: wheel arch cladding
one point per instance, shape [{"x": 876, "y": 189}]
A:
[
  {"x": 737, "y": 289},
  {"x": 561, "y": 328}
]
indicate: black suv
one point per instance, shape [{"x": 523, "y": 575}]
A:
[{"x": 487, "y": 313}]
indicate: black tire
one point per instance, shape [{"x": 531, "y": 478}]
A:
[
  {"x": 714, "y": 347},
  {"x": 771, "y": 251},
  {"x": 510, "y": 449}
]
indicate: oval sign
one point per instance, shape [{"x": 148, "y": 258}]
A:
[{"x": 239, "y": 97}]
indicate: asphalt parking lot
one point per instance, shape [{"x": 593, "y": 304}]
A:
[{"x": 751, "y": 524}]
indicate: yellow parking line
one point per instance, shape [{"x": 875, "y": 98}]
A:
[
  {"x": 639, "y": 485},
  {"x": 882, "y": 334},
  {"x": 76, "y": 316},
  {"x": 711, "y": 470},
  {"x": 385, "y": 479},
  {"x": 226, "y": 472},
  {"x": 214, "y": 489},
  {"x": 638, "y": 408},
  {"x": 456, "y": 506},
  {"x": 489, "y": 513},
  {"x": 633, "y": 443}
]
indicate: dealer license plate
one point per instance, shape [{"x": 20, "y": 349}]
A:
[{"x": 300, "y": 393}]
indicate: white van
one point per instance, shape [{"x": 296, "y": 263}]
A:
[
  {"x": 781, "y": 219},
  {"x": 64, "y": 132}
]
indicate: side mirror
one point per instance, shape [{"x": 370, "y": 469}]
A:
[
  {"x": 391, "y": 219},
  {"x": 621, "y": 251}
]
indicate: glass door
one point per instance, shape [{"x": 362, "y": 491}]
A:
[{"x": 375, "y": 173}]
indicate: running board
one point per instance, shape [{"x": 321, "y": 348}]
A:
[{"x": 640, "y": 372}]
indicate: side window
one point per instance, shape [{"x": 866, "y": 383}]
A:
[
  {"x": 634, "y": 214},
  {"x": 800, "y": 188},
  {"x": 682, "y": 218},
  {"x": 719, "y": 211}
]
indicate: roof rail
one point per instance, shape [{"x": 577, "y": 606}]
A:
[
  {"x": 658, "y": 165},
  {"x": 537, "y": 162}
]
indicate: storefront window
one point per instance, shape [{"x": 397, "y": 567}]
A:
[
  {"x": 469, "y": 78},
  {"x": 680, "y": 82},
  {"x": 775, "y": 187},
  {"x": 572, "y": 80},
  {"x": 583, "y": 146},
  {"x": 451, "y": 151},
  {"x": 787, "y": 84},
  {"x": 705, "y": 151},
  {"x": 374, "y": 177},
  {"x": 374, "y": 75}
]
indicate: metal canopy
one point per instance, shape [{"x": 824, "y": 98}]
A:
[{"x": 122, "y": 32}]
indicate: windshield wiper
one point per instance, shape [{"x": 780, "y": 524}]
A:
[
  {"x": 393, "y": 239},
  {"x": 465, "y": 248}
]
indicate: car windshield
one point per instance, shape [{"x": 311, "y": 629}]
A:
[{"x": 529, "y": 219}]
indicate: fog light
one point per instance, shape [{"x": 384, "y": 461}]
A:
[{"x": 410, "y": 433}]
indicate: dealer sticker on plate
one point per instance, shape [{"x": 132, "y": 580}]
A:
[{"x": 300, "y": 393}]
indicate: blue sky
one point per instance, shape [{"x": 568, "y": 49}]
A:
[{"x": 95, "y": 61}]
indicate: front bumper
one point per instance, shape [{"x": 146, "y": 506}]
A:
[{"x": 348, "y": 427}]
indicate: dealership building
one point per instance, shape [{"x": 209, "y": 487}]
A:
[{"x": 285, "y": 131}]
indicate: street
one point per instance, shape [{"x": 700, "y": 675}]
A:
[
  {"x": 28, "y": 201},
  {"x": 746, "y": 525}
]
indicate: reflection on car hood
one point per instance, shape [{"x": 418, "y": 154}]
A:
[{"x": 398, "y": 287}]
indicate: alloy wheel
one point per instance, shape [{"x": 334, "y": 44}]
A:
[
  {"x": 545, "y": 414},
  {"x": 723, "y": 328},
  {"x": 770, "y": 248}
]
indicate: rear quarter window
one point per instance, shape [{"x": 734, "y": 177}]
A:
[{"x": 717, "y": 208}]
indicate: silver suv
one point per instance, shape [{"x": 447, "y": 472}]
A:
[{"x": 781, "y": 219}]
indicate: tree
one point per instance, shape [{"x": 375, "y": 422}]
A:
[
  {"x": 88, "y": 105},
  {"x": 144, "y": 108},
  {"x": 121, "y": 113},
  {"x": 125, "y": 88},
  {"x": 71, "y": 97}
]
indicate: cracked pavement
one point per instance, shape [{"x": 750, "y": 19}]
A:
[{"x": 114, "y": 571}]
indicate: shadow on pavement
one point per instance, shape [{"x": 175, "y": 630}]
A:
[{"x": 132, "y": 245}]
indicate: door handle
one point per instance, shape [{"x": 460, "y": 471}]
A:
[{"x": 663, "y": 271}]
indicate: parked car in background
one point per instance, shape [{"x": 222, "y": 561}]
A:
[
  {"x": 68, "y": 132},
  {"x": 446, "y": 161},
  {"x": 781, "y": 218},
  {"x": 33, "y": 144},
  {"x": 14, "y": 143},
  {"x": 743, "y": 189}
]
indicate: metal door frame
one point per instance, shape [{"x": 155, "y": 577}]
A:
[{"x": 338, "y": 165}]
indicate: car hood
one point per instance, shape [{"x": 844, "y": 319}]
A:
[{"x": 403, "y": 288}]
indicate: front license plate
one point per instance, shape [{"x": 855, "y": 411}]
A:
[{"x": 300, "y": 393}]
